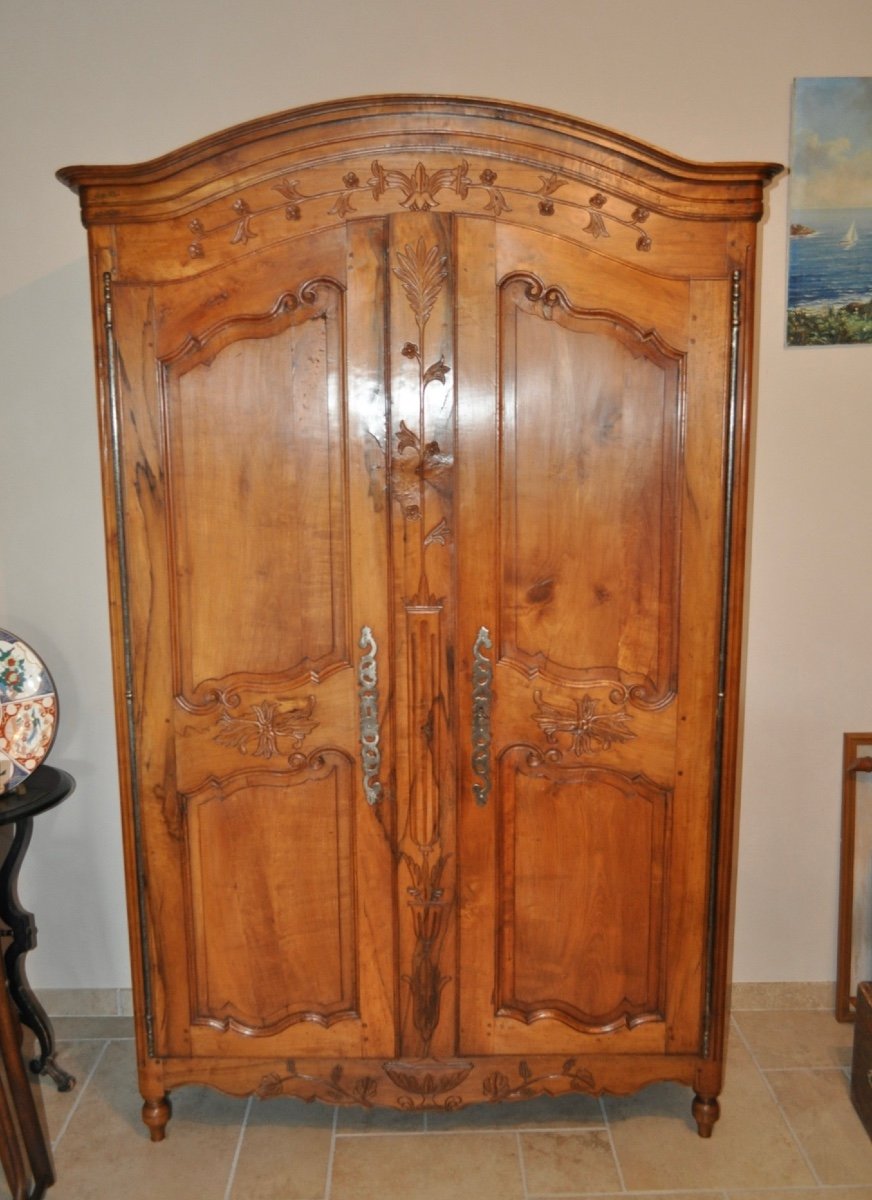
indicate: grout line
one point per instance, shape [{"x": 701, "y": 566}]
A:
[
  {"x": 81, "y": 1088},
  {"x": 231, "y": 1175},
  {"x": 328, "y": 1178},
  {"x": 522, "y": 1166},
  {"x": 608, "y": 1127},
  {"x": 737, "y": 1030},
  {"x": 479, "y": 1132}
]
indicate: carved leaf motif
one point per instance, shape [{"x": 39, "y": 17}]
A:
[
  {"x": 497, "y": 203},
  {"x": 407, "y": 438},
  {"x": 425, "y": 1082},
  {"x": 439, "y": 533},
  {"x": 437, "y": 370},
  {"x": 550, "y": 184},
  {"x": 259, "y": 733},
  {"x": 498, "y": 1087},
  {"x": 588, "y": 728},
  {"x": 419, "y": 189},
  {"x": 427, "y": 463},
  {"x": 422, "y": 273},
  {"x": 597, "y": 226},
  {"x": 288, "y": 188},
  {"x": 342, "y": 207},
  {"x": 364, "y": 1091},
  {"x": 243, "y": 233}
]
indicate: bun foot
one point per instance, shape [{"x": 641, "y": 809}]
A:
[
  {"x": 156, "y": 1113},
  {"x": 705, "y": 1112}
]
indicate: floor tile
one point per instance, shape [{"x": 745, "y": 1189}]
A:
[
  {"x": 78, "y": 1058},
  {"x": 796, "y": 1039},
  {"x": 79, "y": 1002},
  {"x": 682, "y": 1195},
  {"x": 550, "y": 1112},
  {"x": 818, "y": 1106},
  {"x": 285, "y": 1152},
  {"x": 85, "y": 1028},
  {"x": 836, "y": 1193},
  {"x": 569, "y": 1162},
  {"x": 351, "y": 1119},
  {"x": 106, "y": 1149},
  {"x": 658, "y": 1147},
  {"x": 450, "y": 1166}
]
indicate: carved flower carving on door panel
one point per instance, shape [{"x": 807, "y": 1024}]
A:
[
  {"x": 588, "y": 728},
  {"x": 259, "y": 732}
]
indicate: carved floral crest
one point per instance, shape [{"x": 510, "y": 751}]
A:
[
  {"x": 259, "y": 732},
  {"x": 588, "y": 728}
]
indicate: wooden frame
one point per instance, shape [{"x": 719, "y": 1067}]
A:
[{"x": 855, "y": 891}]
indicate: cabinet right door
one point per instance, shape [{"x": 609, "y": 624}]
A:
[{"x": 591, "y": 435}]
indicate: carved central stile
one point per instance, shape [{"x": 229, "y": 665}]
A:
[{"x": 421, "y": 475}]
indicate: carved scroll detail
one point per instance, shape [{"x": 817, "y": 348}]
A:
[
  {"x": 482, "y": 700},
  {"x": 588, "y": 728},
  {"x": 370, "y": 755}
]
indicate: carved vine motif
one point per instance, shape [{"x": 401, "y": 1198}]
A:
[
  {"x": 429, "y": 907},
  {"x": 419, "y": 189},
  {"x": 411, "y": 472},
  {"x": 329, "y": 1088},
  {"x": 422, "y": 272},
  {"x": 498, "y": 1086},
  {"x": 259, "y": 733},
  {"x": 589, "y": 729}
]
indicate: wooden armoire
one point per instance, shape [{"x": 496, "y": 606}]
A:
[{"x": 425, "y": 453}]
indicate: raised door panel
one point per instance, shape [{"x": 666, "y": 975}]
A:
[
  {"x": 256, "y": 569},
  {"x": 258, "y": 503},
  {"x": 599, "y": 527},
  {"x": 581, "y": 897},
  {"x": 588, "y": 490}
]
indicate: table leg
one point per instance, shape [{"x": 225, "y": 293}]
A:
[{"x": 22, "y": 927}]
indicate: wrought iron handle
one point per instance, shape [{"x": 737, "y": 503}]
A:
[
  {"x": 367, "y": 690},
  {"x": 482, "y": 701}
]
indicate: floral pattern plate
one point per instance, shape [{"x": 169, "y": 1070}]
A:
[{"x": 28, "y": 711}]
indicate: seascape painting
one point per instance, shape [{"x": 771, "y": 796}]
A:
[{"x": 829, "y": 299}]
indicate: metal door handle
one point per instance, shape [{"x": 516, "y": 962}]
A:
[{"x": 482, "y": 702}]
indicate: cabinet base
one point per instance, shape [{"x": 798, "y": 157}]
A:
[{"x": 431, "y": 1084}]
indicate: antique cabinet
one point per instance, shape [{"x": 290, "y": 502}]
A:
[{"x": 424, "y": 428}]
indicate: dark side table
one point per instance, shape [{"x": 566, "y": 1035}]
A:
[{"x": 45, "y": 788}]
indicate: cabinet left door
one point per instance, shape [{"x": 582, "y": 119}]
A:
[{"x": 252, "y": 612}]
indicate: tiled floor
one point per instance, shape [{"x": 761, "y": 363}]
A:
[{"x": 788, "y": 1132}]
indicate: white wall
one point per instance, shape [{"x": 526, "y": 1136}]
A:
[{"x": 106, "y": 80}]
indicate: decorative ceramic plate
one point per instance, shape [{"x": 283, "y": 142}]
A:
[{"x": 28, "y": 711}]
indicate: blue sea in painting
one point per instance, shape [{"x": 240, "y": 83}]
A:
[{"x": 832, "y": 265}]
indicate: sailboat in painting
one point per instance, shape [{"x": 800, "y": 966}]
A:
[{"x": 850, "y": 238}]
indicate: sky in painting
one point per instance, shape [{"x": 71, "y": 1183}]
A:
[{"x": 831, "y": 151}]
